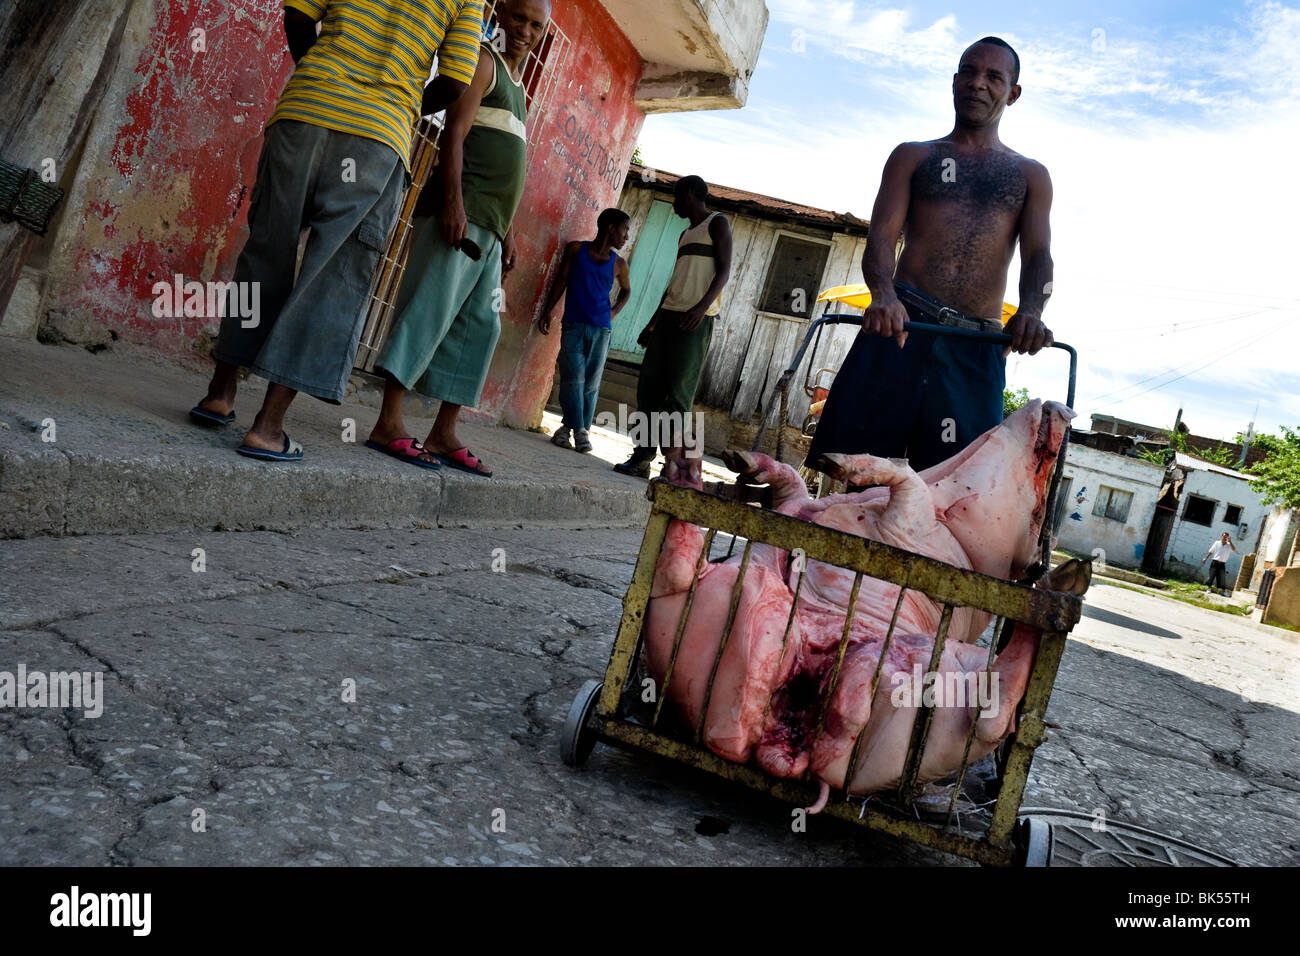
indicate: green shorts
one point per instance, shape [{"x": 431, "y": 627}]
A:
[{"x": 447, "y": 316}]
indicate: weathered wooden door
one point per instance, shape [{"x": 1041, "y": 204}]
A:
[{"x": 650, "y": 268}]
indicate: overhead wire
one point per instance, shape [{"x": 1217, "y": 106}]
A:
[{"x": 1219, "y": 357}]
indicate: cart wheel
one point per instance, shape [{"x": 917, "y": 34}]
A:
[
  {"x": 1076, "y": 840},
  {"x": 1035, "y": 842},
  {"x": 577, "y": 739}
]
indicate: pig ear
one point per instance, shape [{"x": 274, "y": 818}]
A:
[{"x": 943, "y": 517}]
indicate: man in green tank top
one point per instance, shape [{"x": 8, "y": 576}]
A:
[
  {"x": 448, "y": 307},
  {"x": 677, "y": 338}
]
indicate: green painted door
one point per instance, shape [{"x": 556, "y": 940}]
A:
[{"x": 649, "y": 268}]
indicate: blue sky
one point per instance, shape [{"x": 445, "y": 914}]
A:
[{"x": 1172, "y": 133}]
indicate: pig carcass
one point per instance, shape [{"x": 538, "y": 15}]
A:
[{"x": 982, "y": 509}]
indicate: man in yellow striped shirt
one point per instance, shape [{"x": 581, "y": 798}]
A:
[{"x": 335, "y": 160}]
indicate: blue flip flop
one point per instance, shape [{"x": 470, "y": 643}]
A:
[
  {"x": 201, "y": 416},
  {"x": 292, "y": 451}
]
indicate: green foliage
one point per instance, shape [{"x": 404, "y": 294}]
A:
[
  {"x": 1268, "y": 443},
  {"x": 1012, "y": 402},
  {"x": 1220, "y": 455},
  {"x": 637, "y": 158},
  {"x": 1278, "y": 475},
  {"x": 1162, "y": 456}
]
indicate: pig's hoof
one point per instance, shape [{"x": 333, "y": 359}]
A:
[
  {"x": 741, "y": 462},
  {"x": 833, "y": 466}
]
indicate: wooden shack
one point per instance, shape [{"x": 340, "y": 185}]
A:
[{"x": 784, "y": 255}]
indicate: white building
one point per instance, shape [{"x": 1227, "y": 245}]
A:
[
  {"x": 1107, "y": 501},
  {"x": 1275, "y": 541},
  {"x": 1214, "y": 499}
]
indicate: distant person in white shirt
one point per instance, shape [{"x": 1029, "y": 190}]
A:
[{"x": 1220, "y": 552}]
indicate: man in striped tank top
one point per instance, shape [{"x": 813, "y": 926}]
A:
[
  {"x": 335, "y": 160},
  {"x": 677, "y": 337}
]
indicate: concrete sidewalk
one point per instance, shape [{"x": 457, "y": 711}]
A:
[{"x": 125, "y": 459}]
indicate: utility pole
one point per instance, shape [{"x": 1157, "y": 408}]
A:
[{"x": 1249, "y": 437}]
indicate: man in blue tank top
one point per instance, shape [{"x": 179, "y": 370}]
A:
[{"x": 586, "y": 276}]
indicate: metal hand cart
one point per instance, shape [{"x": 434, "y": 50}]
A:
[
  {"x": 614, "y": 710},
  {"x": 996, "y": 830}
]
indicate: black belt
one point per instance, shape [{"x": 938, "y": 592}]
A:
[{"x": 942, "y": 314}]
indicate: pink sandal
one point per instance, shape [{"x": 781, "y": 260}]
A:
[
  {"x": 405, "y": 449},
  {"x": 462, "y": 459}
]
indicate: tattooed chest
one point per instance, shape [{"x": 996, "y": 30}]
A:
[{"x": 993, "y": 182}]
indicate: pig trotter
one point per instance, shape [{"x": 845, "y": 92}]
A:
[
  {"x": 822, "y": 798},
  {"x": 683, "y": 470},
  {"x": 862, "y": 470},
  {"x": 1073, "y": 577},
  {"x": 756, "y": 468}
]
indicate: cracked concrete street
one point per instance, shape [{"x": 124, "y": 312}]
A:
[{"x": 224, "y": 692}]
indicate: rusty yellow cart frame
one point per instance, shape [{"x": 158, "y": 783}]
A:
[{"x": 612, "y": 710}]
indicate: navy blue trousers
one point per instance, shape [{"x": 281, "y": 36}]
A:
[{"x": 924, "y": 402}]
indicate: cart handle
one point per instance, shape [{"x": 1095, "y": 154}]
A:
[{"x": 844, "y": 318}]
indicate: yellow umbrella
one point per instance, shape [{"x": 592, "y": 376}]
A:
[{"x": 859, "y": 296}]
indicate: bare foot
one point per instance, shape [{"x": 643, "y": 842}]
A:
[
  {"x": 220, "y": 399},
  {"x": 384, "y": 432},
  {"x": 263, "y": 435},
  {"x": 442, "y": 443},
  {"x": 268, "y": 442}
]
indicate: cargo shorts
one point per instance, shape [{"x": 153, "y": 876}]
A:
[{"x": 346, "y": 190}]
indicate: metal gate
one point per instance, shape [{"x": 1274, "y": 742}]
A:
[{"x": 539, "y": 77}]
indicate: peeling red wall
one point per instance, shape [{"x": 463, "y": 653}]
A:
[
  {"x": 166, "y": 192},
  {"x": 577, "y": 169}
]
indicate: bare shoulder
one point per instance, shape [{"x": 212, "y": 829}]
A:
[
  {"x": 1035, "y": 172},
  {"x": 910, "y": 154},
  {"x": 719, "y": 226},
  {"x": 572, "y": 246}
]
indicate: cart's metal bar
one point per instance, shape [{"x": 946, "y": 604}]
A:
[
  {"x": 856, "y": 752},
  {"x": 943, "y": 583},
  {"x": 780, "y": 427},
  {"x": 1029, "y": 734},
  {"x": 783, "y": 383},
  {"x": 681, "y": 625},
  {"x": 796, "y": 793},
  {"x": 634, "y": 607},
  {"x": 924, "y": 716},
  {"x": 839, "y": 659},
  {"x": 817, "y": 343},
  {"x": 974, "y": 722},
  {"x": 726, "y": 636}
]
